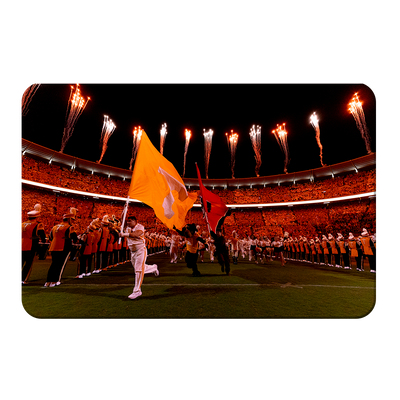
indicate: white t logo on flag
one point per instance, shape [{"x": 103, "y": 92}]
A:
[{"x": 169, "y": 200}]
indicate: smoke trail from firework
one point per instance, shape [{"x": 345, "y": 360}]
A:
[
  {"x": 255, "y": 136},
  {"x": 355, "y": 108},
  {"x": 107, "y": 131},
  {"x": 281, "y": 137},
  {"x": 188, "y": 134},
  {"x": 315, "y": 124},
  {"x": 137, "y": 136},
  {"x": 232, "y": 139},
  {"x": 163, "y": 133},
  {"x": 76, "y": 105},
  {"x": 207, "y": 147},
  {"x": 27, "y": 97}
]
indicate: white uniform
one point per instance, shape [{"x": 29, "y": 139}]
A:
[
  {"x": 173, "y": 251},
  {"x": 138, "y": 249}
]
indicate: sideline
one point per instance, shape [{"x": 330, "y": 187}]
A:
[{"x": 275, "y": 284}]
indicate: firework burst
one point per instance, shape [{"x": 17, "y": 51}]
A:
[
  {"x": 76, "y": 105},
  {"x": 255, "y": 136},
  {"x": 281, "y": 137},
  {"x": 355, "y": 108}
]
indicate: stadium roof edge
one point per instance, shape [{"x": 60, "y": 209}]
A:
[{"x": 354, "y": 165}]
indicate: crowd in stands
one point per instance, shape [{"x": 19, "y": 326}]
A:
[
  {"x": 347, "y": 216},
  {"x": 354, "y": 183},
  {"x": 343, "y": 216}
]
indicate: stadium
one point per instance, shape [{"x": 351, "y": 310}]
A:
[
  {"x": 300, "y": 244},
  {"x": 333, "y": 199}
]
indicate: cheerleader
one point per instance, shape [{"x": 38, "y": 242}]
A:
[
  {"x": 174, "y": 246},
  {"x": 277, "y": 244},
  {"x": 263, "y": 245},
  {"x": 235, "y": 247},
  {"x": 211, "y": 248},
  {"x": 253, "y": 244}
]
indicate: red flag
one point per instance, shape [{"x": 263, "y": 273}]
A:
[{"x": 214, "y": 209}]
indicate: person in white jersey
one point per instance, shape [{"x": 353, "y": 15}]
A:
[{"x": 136, "y": 243}]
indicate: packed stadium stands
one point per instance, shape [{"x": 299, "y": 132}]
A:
[{"x": 312, "y": 219}]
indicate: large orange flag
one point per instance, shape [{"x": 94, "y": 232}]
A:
[{"x": 156, "y": 183}]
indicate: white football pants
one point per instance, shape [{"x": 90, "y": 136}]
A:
[{"x": 138, "y": 259}]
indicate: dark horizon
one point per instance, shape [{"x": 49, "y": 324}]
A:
[{"x": 220, "y": 107}]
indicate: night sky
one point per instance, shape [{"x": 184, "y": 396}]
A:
[{"x": 207, "y": 106}]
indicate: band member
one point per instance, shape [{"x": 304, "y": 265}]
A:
[
  {"x": 62, "y": 237},
  {"x": 102, "y": 255},
  {"x": 368, "y": 247},
  {"x": 344, "y": 251},
  {"x": 117, "y": 243},
  {"x": 96, "y": 224},
  {"x": 326, "y": 250},
  {"x": 32, "y": 235},
  {"x": 307, "y": 250},
  {"x": 112, "y": 238},
  {"x": 86, "y": 253},
  {"x": 136, "y": 242},
  {"x": 319, "y": 249},
  {"x": 313, "y": 251},
  {"x": 302, "y": 252},
  {"x": 292, "y": 248},
  {"x": 355, "y": 250},
  {"x": 334, "y": 250}
]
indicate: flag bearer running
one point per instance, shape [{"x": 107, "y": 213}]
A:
[{"x": 136, "y": 243}]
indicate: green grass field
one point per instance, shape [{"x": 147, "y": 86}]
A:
[{"x": 297, "y": 290}]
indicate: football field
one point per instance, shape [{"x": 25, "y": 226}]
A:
[{"x": 296, "y": 290}]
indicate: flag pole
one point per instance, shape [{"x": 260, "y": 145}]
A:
[
  {"x": 124, "y": 217},
  {"x": 202, "y": 201}
]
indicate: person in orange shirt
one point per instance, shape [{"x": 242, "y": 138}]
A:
[
  {"x": 334, "y": 250},
  {"x": 86, "y": 254},
  {"x": 369, "y": 249},
  {"x": 62, "y": 237},
  {"x": 102, "y": 255},
  {"x": 97, "y": 236},
  {"x": 344, "y": 250},
  {"x": 355, "y": 250},
  {"x": 32, "y": 235},
  {"x": 192, "y": 238}
]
